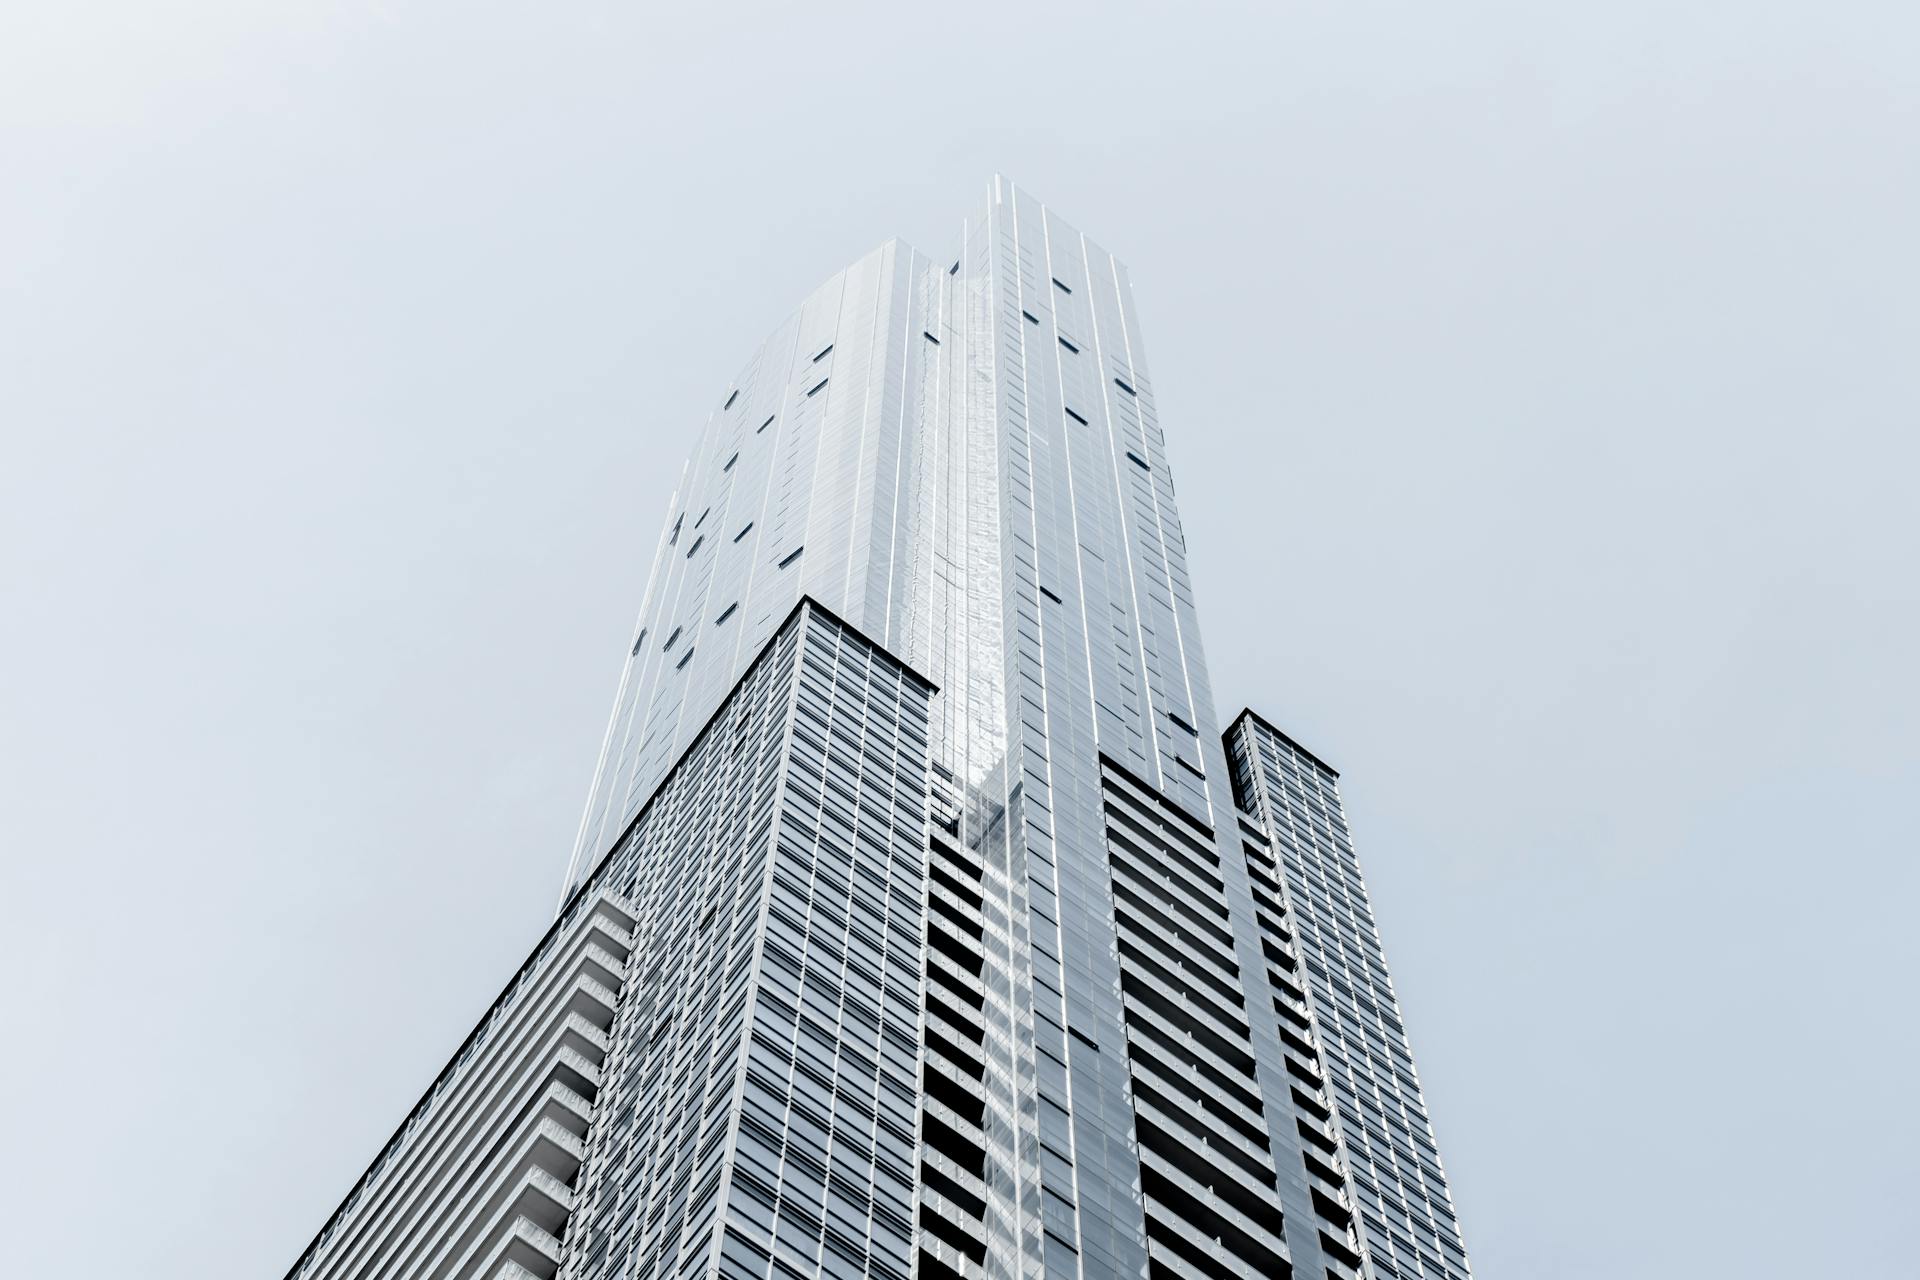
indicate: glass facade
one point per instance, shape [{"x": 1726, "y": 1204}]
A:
[{"x": 959, "y": 943}]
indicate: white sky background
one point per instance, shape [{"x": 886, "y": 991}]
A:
[{"x": 1541, "y": 387}]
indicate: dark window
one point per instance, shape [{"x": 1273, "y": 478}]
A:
[
  {"x": 731, "y": 397},
  {"x": 814, "y": 389},
  {"x": 791, "y": 556},
  {"x": 1076, "y": 417},
  {"x": 1062, "y": 287},
  {"x": 824, "y": 351},
  {"x": 929, "y": 337},
  {"x": 726, "y": 613},
  {"x": 1123, "y": 385},
  {"x": 685, "y": 658},
  {"x": 743, "y": 531},
  {"x": 670, "y": 639},
  {"x": 1069, "y": 346},
  {"x": 1029, "y": 315},
  {"x": 696, "y": 545},
  {"x": 763, "y": 426},
  {"x": 730, "y": 461},
  {"x": 1139, "y": 461},
  {"x": 639, "y": 640}
]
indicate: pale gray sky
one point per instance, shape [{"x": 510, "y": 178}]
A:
[{"x": 1541, "y": 385}]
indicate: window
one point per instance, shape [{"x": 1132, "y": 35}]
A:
[
  {"x": 929, "y": 337},
  {"x": 1139, "y": 461},
  {"x": 731, "y": 397},
  {"x": 730, "y": 461},
  {"x": 685, "y": 658},
  {"x": 815, "y": 388},
  {"x": 670, "y": 639},
  {"x": 1061, "y": 285},
  {"x": 1124, "y": 386},
  {"x": 1069, "y": 346},
  {"x": 824, "y": 353},
  {"x": 743, "y": 531},
  {"x": 726, "y": 613},
  {"x": 791, "y": 556},
  {"x": 763, "y": 426},
  {"x": 1076, "y": 417},
  {"x": 1030, "y": 316},
  {"x": 639, "y": 640}
]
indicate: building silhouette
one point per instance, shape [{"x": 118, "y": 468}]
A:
[{"x": 922, "y": 923}]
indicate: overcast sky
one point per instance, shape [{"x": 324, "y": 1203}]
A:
[{"x": 1541, "y": 385}]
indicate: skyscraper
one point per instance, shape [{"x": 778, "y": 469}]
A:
[{"x": 921, "y": 923}]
